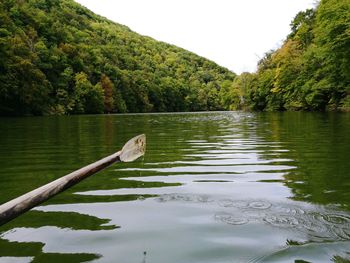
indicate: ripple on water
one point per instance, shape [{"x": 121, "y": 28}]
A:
[
  {"x": 319, "y": 226},
  {"x": 259, "y": 205},
  {"x": 184, "y": 198},
  {"x": 231, "y": 219},
  {"x": 342, "y": 233},
  {"x": 337, "y": 224},
  {"x": 282, "y": 221},
  {"x": 312, "y": 226},
  {"x": 288, "y": 209},
  {"x": 232, "y": 203},
  {"x": 338, "y": 219}
]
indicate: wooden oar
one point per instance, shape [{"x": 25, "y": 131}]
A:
[{"x": 132, "y": 150}]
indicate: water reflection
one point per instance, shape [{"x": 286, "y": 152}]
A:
[
  {"x": 219, "y": 187},
  {"x": 319, "y": 144},
  {"x": 317, "y": 223}
]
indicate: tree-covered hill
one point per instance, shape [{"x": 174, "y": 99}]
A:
[
  {"x": 311, "y": 71},
  {"x": 57, "y": 57}
]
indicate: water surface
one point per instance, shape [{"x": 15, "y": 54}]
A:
[{"x": 213, "y": 187}]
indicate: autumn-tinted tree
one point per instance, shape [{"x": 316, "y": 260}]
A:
[{"x": 108, "y": 89}]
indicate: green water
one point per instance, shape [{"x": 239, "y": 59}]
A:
[{"x": 212, "y": 187}]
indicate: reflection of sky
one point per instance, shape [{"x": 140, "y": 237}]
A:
[
  {"x": 193, "y": 224},
  {"x": 15, "y": 259},
  {"x": 232, "y": 204}
]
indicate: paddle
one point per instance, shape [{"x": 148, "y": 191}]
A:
[{"x": 132, "y": 150}]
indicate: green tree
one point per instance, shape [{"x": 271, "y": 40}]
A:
[
  {"x": 55, "y": 54},
  {"x": 311, "y": 71},
  {"x": 88, "y": 98}
]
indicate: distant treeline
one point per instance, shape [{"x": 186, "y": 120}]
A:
[
  {"x": 311, "y": 71},
  {"x": 57, "y": 57}
]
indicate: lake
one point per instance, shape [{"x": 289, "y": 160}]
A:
[{"x": 212, "y": 187}]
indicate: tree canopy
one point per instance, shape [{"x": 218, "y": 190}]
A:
[
  {"x": 311, "y": 71},
  {"x": 58, "y": 57}
]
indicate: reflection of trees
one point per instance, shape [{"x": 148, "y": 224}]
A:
[
  {"x": 43, "y": 149},
  {"x": 38, "y": 150},
  {"x": 37, "y": 219},
  {"x": 35, "y": 249},
  {"x": 320, "y": 146},
  {"x": 76, "y": 221}
]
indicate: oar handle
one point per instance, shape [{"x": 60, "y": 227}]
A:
[
  {"x": 133, "y": 149},
  {"x": 21, "y": 204}
]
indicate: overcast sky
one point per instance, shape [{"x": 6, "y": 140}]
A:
[{"x": 233, "y": 33}]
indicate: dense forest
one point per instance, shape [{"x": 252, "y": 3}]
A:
[
  {"x": 311, "y": 71},
  {"x": 58, "y": 57}
]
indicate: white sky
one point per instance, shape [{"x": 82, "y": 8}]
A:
[{"x": 233, "y": 33}]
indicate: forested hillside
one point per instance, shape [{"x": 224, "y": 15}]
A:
[
  {"x": 311, "y": 71},
  {"x": 57, "y": 57}
]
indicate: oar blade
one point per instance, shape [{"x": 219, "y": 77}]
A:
[{"x": 133, "y": 149}]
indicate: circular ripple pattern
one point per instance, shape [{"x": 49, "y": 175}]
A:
[
  {"x": 225, "y": 203},
  {"x": 233, "y": 203},
  {"x": 338, "y": 219},
  {"x": 313, "y": 226},
  {"x": 318, "y": 226},
  {"x": 288, "y": 209},
  {"x": 244, "y": 204},
  {"x": 240, "y": 204},
  {"x": 283, "y": 221},
  {"x": 231, "y": 219},
  {"x": 341, "y": 233},
  {"x": 259, "y": 205}
]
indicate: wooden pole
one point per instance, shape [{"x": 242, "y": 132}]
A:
[{"x": 132, "y": 150}]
